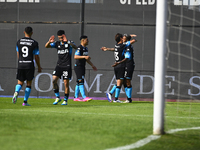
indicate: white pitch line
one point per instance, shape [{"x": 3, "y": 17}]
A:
[
  {"x": 138, "y": 144},
  {"x": 150, "y": 138},
  {"x": 89, "y": 113}
]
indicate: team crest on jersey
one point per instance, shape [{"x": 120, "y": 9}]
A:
[{"x": 66, "y": 45}]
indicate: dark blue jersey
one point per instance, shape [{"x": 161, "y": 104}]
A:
[
  {"x": 119, "y": 52},
  {"x": 81, "y": 51},
  {"x": 129, "y": 53},
  {"x": 64, "y": 53},
  {"x": 27, "y": 48}
]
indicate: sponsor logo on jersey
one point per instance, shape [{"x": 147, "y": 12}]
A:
[
  {"x": 85, "y": 53},
  {"x": 63, "y": 51}
]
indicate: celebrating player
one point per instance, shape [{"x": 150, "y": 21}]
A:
[
  {"x": 81, "y": 56},
  {"x": 63, "y": 68},
  {"x": 26, "y": 49},
  {"x": 119, "y": 65},
  {"x": 129, "y": 69}
]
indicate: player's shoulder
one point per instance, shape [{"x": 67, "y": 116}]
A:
[{"x": 80, "y": 47}]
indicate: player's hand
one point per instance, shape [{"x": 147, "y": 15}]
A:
[
  {"x": 115, "y": 64},
  {"x": 94, "y": 68},
  {"x": 87, "y": 57},
  {"x": 39, "y": 69},
  {"x": 104, "y": 48},
  {"x": 64, "y": 38},
  {"x": 51, "y": 39}
]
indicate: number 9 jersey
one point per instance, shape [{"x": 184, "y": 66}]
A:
[{"x": 27, "y": 48}]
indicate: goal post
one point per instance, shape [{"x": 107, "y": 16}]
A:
[{"x": 160, "y": 68}]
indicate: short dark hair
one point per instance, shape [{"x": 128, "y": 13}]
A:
[
  {"x": 83, "y": 37},
  {"x": 118, "y": 36},
  {"x": 60, "y": 32},
  {"x": 128, "y": 37},
  {"x": 28, "y": 30}
]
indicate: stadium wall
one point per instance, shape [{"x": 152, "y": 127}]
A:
[{"x": 100, "y": 20}]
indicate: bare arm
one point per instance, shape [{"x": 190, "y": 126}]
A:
[
  {"x": 82, "y": 57},
  {"x": 69, "y": 42},
  {"x": 117, "y": 63},
  {"x": 107, "y": 49},
  {"x": 73, "y": 45},
  {"x": 91, "y": 64},
  {"x": 133, "y": 41},
  {"x": 37, "y": 59},
  {"x": 51, "y": 40},
  {"x": 18, "y": 55}
]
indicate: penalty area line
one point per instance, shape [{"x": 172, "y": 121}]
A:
[{"x": 150, "y": 138}]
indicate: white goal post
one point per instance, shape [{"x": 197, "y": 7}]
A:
[{"x": 160, "y": 67}]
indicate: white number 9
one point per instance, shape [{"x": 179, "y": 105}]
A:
[{"x": 25, "y": 51}]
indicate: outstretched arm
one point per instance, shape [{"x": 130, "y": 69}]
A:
[{"x": 107, "y": 49}]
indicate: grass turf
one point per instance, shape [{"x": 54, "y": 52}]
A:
[{"x": 94, "y": 125}]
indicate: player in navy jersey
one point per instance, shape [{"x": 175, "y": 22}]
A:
[
  {"x": 120, "y": 62},
  {"x": 130, "y": 66},
  {"x": 27, "y": 49},
  {"x": 81, "y": 56},
  {"x": 63, "y": 68}
]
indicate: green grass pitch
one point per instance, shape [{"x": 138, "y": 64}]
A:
[{"x": 95, "y": 125}]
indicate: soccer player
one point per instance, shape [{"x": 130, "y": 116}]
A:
[
  {"x": 63, "y": 68},
  {"x": 130, "y": 66},
  {"x": 129, "y": 69},
  {"x": 120, "y": 59},
  {"x": 81, "y": 56},
  {"x": 26, "y": 49}
]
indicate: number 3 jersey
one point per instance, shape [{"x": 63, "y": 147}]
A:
[
  {"x": 27, "y": 48},
  {"x": 119, "y": 53}
]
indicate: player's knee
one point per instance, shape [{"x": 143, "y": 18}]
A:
[{"x": 54, "y": 81}]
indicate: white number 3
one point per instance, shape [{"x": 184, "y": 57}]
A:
[{"x": 25, "y": 51}]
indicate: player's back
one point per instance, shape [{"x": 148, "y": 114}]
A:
[{"x": 26, "y": 47}]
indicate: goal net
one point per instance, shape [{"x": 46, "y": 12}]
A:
[
  {"x": 183, "y": 51},
  {"x": 182, "y": 64}
]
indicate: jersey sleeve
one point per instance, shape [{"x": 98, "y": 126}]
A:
[
  {"x": 36, "y": 51},
  {"x": 78, "y": 52},
  {"x": 128, "y": 43},
  {"x": 17, "y": 48},
  {"x": 53, "y": 45},
  {"x": 128, "y": 55}
]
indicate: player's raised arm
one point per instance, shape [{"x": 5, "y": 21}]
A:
[
  {"x": 133, "y": 41},
  {"x": 69, "y": 42},
  {"x": 51, "y": 40}
]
